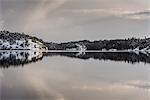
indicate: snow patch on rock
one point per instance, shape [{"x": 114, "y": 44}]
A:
[{"x": 23, "y": 44}]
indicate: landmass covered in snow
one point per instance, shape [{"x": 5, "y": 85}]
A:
[{"x": 17, "y": 41}]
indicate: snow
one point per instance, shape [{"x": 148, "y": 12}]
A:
[
  {"x": 112, "y": 50},
  {"x": 22, "y": 45},
  {"x": 81, "y": 48}
]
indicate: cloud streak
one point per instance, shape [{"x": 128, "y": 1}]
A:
[
  {"x": 139, "y": 15},
  {"x": 118, "y": 12},
  {"x": 144, "y": 85}
]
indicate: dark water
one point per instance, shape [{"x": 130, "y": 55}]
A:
[{"x": 26, "y": 75}]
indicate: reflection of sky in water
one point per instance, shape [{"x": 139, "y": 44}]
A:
[{"x": 61, "y": 78}]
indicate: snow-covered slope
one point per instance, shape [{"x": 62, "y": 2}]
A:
[{"x": 17, "y": 41}]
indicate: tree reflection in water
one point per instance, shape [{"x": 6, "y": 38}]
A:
[
  {"x": 129, "y": 57},
  {"x": 20, "y": 58}
]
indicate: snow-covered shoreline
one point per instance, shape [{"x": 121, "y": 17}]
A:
[
  {"x": 17, "y": 41},
  {"x": 20, "y": 45}
]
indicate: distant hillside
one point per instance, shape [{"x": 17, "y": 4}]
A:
[{"x": 104, "y": 45}]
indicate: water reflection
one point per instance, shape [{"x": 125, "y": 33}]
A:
[
  {"x": 129, "y": 57},
  {"x": 20, "y": 58},
  {"x": 57, "y": 77},
  {"x": 62, "y": 78}
]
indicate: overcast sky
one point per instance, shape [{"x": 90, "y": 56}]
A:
[{"x": 68, "y": 20}]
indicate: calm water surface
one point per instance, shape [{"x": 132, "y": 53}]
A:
[{"x": 63, "y": 78}]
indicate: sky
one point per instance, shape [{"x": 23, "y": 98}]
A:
[{"x": 71, "y": 20}]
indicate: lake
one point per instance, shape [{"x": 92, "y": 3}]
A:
[{"x": 74, "y": 76}]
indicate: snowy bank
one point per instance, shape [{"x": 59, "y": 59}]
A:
[{"x": 17, "y": 41}]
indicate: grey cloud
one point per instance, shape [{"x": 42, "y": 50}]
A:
[
  {"x": 145, "y": 14},
  {"x": 117, "y": 12}
]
